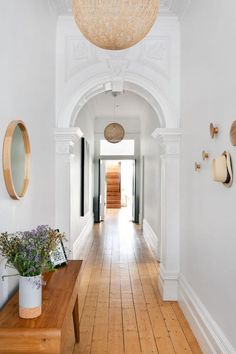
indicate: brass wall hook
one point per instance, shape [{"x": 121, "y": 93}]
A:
[
  {"x": 213, "y": 131},
  {"x": 233, "y": 133},
  {"x": 205, "y": 155},
  {"x": 197, "y": 166}
]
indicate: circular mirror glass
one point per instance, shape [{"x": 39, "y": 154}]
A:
[
  {"x": 16, "y": 156},
  {"x": 18, "y": 160}
]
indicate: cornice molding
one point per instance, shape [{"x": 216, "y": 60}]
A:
[
  {"x": 65, "y": 139},
  {"x": 67, "y": 134},
  {"x": 167, "y": 134},
  {"x": 180, "y": 8},
  {"x": 169, "y": 140}
]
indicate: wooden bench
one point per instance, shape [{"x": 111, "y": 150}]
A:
[{"x": 57, "y": 330}]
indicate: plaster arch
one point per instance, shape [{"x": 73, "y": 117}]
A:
[
  {"x": 77, "y": 93},
  {"x": 84, "y": 89}
]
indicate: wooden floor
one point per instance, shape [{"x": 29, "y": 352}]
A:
[{"x": 120, "y": 306}]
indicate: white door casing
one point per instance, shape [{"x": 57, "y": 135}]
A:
[{"x": 169, "y": 140}]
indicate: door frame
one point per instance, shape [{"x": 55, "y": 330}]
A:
[{"x": 97, "y": 185}]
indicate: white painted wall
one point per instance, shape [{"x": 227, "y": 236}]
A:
[
  {"x": 81, "y": 225},
  {"x": 129, "y": 107},
  {"x": 149, "y": 69},
  {"x": 150, "y": 151},
  {"x": 208, "y": 209},
  {"x": 139, "y": 121},
  {"x": 27, "y": 67},
  {"x": 83, "y": 69}
]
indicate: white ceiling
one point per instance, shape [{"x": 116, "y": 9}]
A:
[
  {"x": 131, "y": 111},
  {"x": 167, "y": 7},
  {"x": 124, "y": 106}
]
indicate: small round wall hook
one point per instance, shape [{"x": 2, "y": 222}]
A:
[
  {"x": 205, "y": 155},
  {"x": 213, "y": 131},
  {"x": 197, "y": 166},
  {"x": 233, "y": 133}
]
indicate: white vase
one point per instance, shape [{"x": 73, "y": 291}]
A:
[{"x": 30, "y": 296}]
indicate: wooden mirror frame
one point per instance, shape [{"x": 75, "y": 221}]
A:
[{"x": 6, "y": 159}]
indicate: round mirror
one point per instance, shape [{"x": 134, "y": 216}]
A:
[{"x": 16, "y": 159}]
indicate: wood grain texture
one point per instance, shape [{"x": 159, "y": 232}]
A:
[
  {"x": 56, "y": 330},
  {"x": 121, "y": 308},
  {"x": 6, "y": 159},
  {"x": 113, "y": 184}
]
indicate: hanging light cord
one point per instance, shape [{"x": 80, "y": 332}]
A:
[{"x": 114, "y": 112}]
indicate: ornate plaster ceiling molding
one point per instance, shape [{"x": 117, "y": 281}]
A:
[
  {"x": 167, "y": 7},
  {"x": 118, "y": 67},
  {"x": 62, "y": 7},
  {"x": 80, "y": 54},
  {"x": 154, "y": 53},
  {"x": 180, "y": 7}
]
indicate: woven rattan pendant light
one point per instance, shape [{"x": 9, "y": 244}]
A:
[
  {"x": 114, "y": 132},
  {"x": 115, "y": 24}
]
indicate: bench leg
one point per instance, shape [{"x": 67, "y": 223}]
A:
[{"x": 76, "y": 320}]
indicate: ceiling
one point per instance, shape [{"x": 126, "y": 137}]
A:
[
  {"x": 167, "y": 7},
  {"x": 126, "y": 105},
  {"x": 131, "y": 110}
]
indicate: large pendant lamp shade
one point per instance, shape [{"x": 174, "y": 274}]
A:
[
  {"x": 115, "y": 24},
  {"x": 114, "y": 133}
]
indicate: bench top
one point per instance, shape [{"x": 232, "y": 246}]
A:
[{"x": 57, "y": 294}]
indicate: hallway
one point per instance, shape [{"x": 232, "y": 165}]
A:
[{"x": 120, "y": 306}]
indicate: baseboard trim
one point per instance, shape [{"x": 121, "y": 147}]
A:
[
  {"x": 151, "y": 239},
  {"x": 81, "y": 238},
  {"x": 210, "y": 337},
  {"x": 168, "y": 283}
]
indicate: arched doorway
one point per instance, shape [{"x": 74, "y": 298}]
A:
[{"x": 67, "y": 136}]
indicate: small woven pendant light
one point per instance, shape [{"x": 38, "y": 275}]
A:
[
  {"x": 115, "y": 24},
  {"x": 114, "y": 132}
]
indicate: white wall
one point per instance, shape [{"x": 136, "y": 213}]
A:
[
  {"x": 208, "y": 209},
  {"x": 139, "y": 121},
  {"x": 126, "y": 110},
  {"x": 83, "y": 69},
  {"x": 150, "y": 150},
  {"x": 80, "y": 225},
  {"x": 27, "y": 43},
  {"x": 149, "y": 69}
]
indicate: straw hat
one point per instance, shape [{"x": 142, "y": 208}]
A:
[{"x": 222, "y": 169}]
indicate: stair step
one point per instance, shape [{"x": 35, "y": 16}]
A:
[
  {"x": 113, "y": 181},
  {"x": 117, "y": 176},
  {"x": 113, "y": 173},
  {"x": 113, "y": 188},
  {"x": 114, "y": 206}
]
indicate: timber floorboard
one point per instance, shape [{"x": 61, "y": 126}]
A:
[{"x": 121, "y": 311}]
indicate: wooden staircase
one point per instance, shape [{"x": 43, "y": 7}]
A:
[{"x": 113, "y": 188}]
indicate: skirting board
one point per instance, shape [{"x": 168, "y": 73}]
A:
[
  {"x": 210, "y": 337},
  {"x": 168, "y": 283},
  {"x": 81, "y": 238},
  {"x": 151, "y": 239}
]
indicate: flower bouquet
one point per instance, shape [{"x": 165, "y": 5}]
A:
[{"x": 29, "y": 253}]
